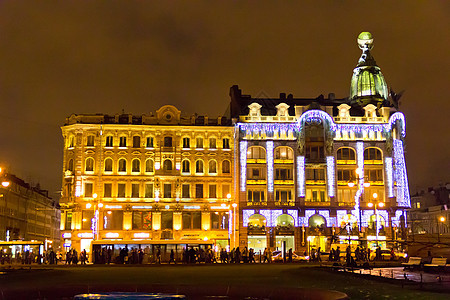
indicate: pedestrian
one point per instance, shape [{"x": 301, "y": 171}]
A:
[
  {"x": 251, "y": 256},
  {"x": 318, "y": 255},
  {"x": 266, "y": 255},
  {"x": 290, "y": 255},
  {"x": 172, "y": 257},
  {"x": 158, "y": 256}
]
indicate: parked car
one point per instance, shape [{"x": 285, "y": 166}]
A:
[
  {"x": 277, "y": 256},
  {"x": 386, "y": 255}
]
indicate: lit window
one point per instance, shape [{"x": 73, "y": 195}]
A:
[
  {"x": 149, "y": 190},
  {"x": 212, "y": 143},
  {"x": 226, "y": 143},
  {"x": 199, "y": 143},
  {"x": 71, "y": 141},
  {"x": 226, "y": 167},
  {"x": 256, "y": 153},
  {"x": 167, "y": 190},
  {"x": 186, "y": 191},
  {"x": 88, "y": 189},
  {"x": 149, "y": 166},
  {"x": 70, "y": 165},
  {"x": 123, "y": 141},
  {"x": 107, "y": 190},
  {"x": 284, "y": 152},
  {"x": 212, "y": 191},
  {"x": 199, "y": 190},
  {"x": 135, "y": 190},
  {"x": 346, "y": 154},
  {"x": 136, "y": 141},
  {"x": 121, "y": 187},
  {"x": 372, "y": 154},
  {"x": 90, "y": 141},
  {"x": 167, "y": 165},
  {"x": 149, "y": 143}
]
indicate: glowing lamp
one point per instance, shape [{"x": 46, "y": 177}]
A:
[
  {"x": 366, "y": 184},
  {"x": 228, "y": 196},
  {"x": 5, "y": 183},
  {"x": 88, "y": 205},
  {"x": 381, "y": 204},
  {"x": 375, "y": 195},
  {"x": 94, "y": 196},
  {"x": 351, "y": 184},
  {"x": 234, "y": 205},
  {"x": 442, "y": 219},
  {"x": 100, "y": 205},
  {"x": 370, "y": 204}
]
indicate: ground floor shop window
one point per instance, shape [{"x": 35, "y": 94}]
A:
[
  {"x": 113, "y": 220},
  {"x": 290, "y": 242},
  {"x": 258, "y": 243}
]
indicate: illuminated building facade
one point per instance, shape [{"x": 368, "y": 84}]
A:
[
  {"x": 158, "y": 177},
  {"x": 315, "y": 172}
]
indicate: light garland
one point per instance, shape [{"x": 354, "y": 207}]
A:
[
  {"x": 331, "y": 221},
  {"x": 269, "y": 129},
  {"x": 360, "y": 162},
  {"x": 341, "y": 215},
  {"x": 269, "y": 150},
  {"x": 246, "y": 214},
  {"x": 401, "y": 176},
  {"x": 389, "y": 178},
  {"x": 293, "y": 213},
  {"x": 304, "y": 221},
  {"x": 301, "y": 176},
  {"x": 274, "y": 216},
  {"x": 316, "y": 114},
  {"x": 230, "y": 223},
  {"x": 243, "y": 162},
  {"x": 398, "y": 116},
  {"x": 330, "y": 176},
  {"x": 266, "y": 214},
  {"x": 396, "y": 219}
]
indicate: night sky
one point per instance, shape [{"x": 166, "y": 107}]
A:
[{"x": 64, "y": 57}]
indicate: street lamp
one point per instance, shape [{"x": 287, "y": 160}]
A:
[
  {"x": 234, "y": 223},
  {"x": 375, "y": 205},
  {"x": 442, "y": 220}
]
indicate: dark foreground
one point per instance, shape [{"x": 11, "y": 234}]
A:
[{"x": 271, "y": 281}]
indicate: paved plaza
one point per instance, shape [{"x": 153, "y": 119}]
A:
[{"x": 267, "y": 281}]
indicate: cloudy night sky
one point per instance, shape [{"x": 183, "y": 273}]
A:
[{"x": 64, "y": 57}]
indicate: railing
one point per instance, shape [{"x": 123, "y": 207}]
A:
[
  {"x": 317, "y": 203},
  {"x": 285, "y": 203},
  {"x": 257, "y": 203}
]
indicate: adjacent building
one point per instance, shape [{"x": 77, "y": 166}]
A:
[
  {"x": 324, "y": 171},
  {"x": 158, "y": 177},
  {"x": 27, "y": 213}
]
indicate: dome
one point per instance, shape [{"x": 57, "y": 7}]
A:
[{"x": 368, "y": 84}]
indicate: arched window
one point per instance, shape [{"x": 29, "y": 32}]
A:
[
  {"x": 199, "y": 166},
  {"x": 122, "y": 165},
  {"x": 212, "y": 167},
  {"x": 372, "y": 154},
  {"x": 89, "y": 167},
  {"x": 135, "y": 165},
  {"x": 284, "y": 152},
  {"x": 317, "y": 221},
  {"x": 373, "y": 223},
  {"x": 108, "y": 165},
  {"x": 186, "y": 166},
  {"x": 226, "y": 167},
  {"x": 256, "y": 152},
  {"x": 348, "y": 219},
  {"x": 70, "y": 165},
  {"x": 167, "y": 165},
  {"x": 149, "y": 166},
  {"x": 285, "y": 220},
  {"x": 256, "y": 221},
  {"x": 346, "y": 154}
]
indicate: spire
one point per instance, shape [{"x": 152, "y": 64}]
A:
[{"x": 368, "y": 84}]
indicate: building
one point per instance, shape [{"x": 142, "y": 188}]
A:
[
  {"x": 27, "y": 213},
  {"x": 318, "y": 172},
  {"x": 162, "y": 177}
]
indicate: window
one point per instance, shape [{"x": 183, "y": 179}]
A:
[
  {"x": 89, "y": 164},
  {"x": 71, "y": 142},
  {"x": 149, "y": 166},
  {"x": 107, "y": 190},
  {"x": 142, "y": 220},
  {"x": 212, "y": 191},
  {"x": 186, "y": 191},
  {"x": 226, "y": 143},
  {"x": 90, "y": 141},
  {"x": 123, "y": 141},
  {"x": 256, "y": 153},
  {"x": 255, "y": 196},
  {"x": 87, "y": 216},
  {"x": 121, "y": 190},
  {"x": 212, "y": 167},
  {"x": 167, "y": 165},
  {"x": 283, "y": 195},
  {"x": 255, "y": 173},
  {"x": 136, "y": 165},
  {"x": 346, "y": 154},
  {"x": 225, "y": 190},
  {"x": 166, "y": 220},
  {"x": 345, "y": 175},
  {"x": 167, "y": 141},
  {"x": 314, "y": 152},
  {"x": 68, "y": 223},
  {"x": 283, "y": 174},
  {"x": 212, "y": 143},
  {"x": 88, "y": 189},
  {"x": 113, "y": 220},
  {"x": 372, "y": 154},
  {"x": 315, "y": 195},
  {"x": 226, "y": 167},
  {"x": 109, "y": 141},
  {"x": 149, "y": 143},
  {"x": 149, "y": 190},
  {"x": 315, "y": 174},
  {"x": 70, "y": 165},
  {"x": 135, "y": 190},
  {"x": 375, "y": 175},
  {"x": 192, "y": 220},
  {"x": 186, "y": 143},
  {"x": 136, "y": 141},
  {"x": 122, "y": 165},
  {"x": 199, "y": 190},
  {"x": 199, "y": 166},
  {"x": 219, "y": 220},
  {"x": 167, "y": 190},
  {"x": 186, "y": 166},
  {"x": 108, "y": 165},
  {"x": 284, "y": 152},
  {"x": 199, "y": 143}
]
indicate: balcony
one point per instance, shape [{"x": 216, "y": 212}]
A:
[
  {"x": 256, "y": 230},
  {"x": 256, "y": 181},
  {"x": 284, "y": 230},
  {"x": 283, "y": 161},
  {"x": 256, "y": 161},
  {"x": 317, "y": 203},
  {"x": 285, "y": 203},
  {"x": 315, "y": 182},
  {"x": 283, "y": 181},
  {"x": 256, "y": 203}
]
